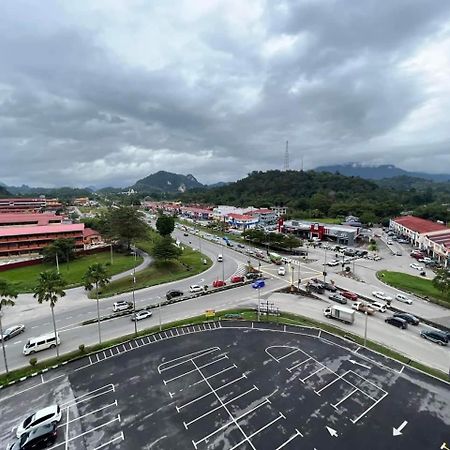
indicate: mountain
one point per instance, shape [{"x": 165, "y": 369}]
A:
[
  {"x": 379, "y": 172},
  {"x": 218, "y": 184},
  {"x": 167, "y": 182},
  {"x": 3, "y": 191}
]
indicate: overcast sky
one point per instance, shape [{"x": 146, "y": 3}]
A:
[{"x": 105, "y": 92}]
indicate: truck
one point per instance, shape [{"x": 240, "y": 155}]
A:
[{"x": 339, "y": 312}]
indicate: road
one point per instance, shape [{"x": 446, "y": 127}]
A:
[{"x": 76, "y": 307}]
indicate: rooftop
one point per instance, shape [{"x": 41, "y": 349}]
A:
[
  {"x": 44, "y": 229},
  {"x": 419, "y": 225}
]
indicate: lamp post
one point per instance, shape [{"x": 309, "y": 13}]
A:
[
  {"x": 134, "y": 299},
  {"x": 159, "y": 308},
  {"x": 57, "y": 261}
]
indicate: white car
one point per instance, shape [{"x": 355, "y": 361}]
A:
[
  {"x": 141, "y": 315},
  {"x": 281, "y": 271},
  {"x": 425, "y": 260},
  {"x": 389, "y": 242},
  {"x": 332, "y": 263},
  {"x": 285, "y": 260},
  {"x": 122, "y": 305},
  {"x": 50, "y": 414},
  {"x": 403, "y": 298},
  {"x": 382, "y": 296},
  {"x": 195, "y": 288},
  {"x": 378, "y": 306},
  {"x": 416, "y": 266}
]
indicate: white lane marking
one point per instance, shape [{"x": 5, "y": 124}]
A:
[
  {"x": 121, "y": 437},
  {"x": 297, "y": 433}
]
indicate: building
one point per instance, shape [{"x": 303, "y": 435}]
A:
[
  {"x": 91, "y": 238},
  {"x": 341, "y": 234},
  {"x": 28, "y": 205},
  {"x": 27, "y": 219},
  {"x": 81, "y": 201},
  {"x": 21, "y": 240},
  {"x": 431, "y": 237},
  {"x": 241, "y": 221},
  {"x": 279, "y": 210},
  {"x": 265, "y": 216},
  {"x": 196, "y": 213}
]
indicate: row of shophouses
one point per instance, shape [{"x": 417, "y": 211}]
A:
[
  {"x": 433, "y": 238},
  {"x": 238, "y": 218}
]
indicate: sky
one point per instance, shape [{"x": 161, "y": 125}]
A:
[{"x": 105, "y": 92}]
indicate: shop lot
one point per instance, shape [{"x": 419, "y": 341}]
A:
[{"x": 231, "y": 386}]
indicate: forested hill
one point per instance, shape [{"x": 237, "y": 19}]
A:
[
  {"x": 4, "y": 192},
  {"x": 315, "y": 193}
]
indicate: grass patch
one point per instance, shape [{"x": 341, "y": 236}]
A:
[
  {"x": 190, "y": 263},
  {"x": 245, "y": 314},
  {"x": 414, "y": 285},
  {"x": 24, "y": 278}
]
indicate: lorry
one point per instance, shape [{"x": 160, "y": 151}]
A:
[{"x": 339, "y": 312}]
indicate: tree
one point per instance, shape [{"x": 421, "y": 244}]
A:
[
  {"x": 96, "y": 275},
  {"x": 164, "y": 249},
  {"x": 48, "y": 289},
  {"x": 127, "y": 225},
  {"x": 64, "y": 248},
  {"x": 165, "y": 225},
  {"x": 442, "y": 282},
  {"x": 7, "y": 294}
]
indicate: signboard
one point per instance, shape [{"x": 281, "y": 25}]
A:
[{"x": 210, "y": 313}]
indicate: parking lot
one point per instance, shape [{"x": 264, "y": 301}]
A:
[{"x": 237, "y": 386}]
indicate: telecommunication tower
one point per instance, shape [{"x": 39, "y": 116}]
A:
[{"x": 286, "y": 157}]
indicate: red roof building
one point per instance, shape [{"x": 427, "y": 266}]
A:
[
  {"x": 25, "y": 219},
  {"x": 28, "y": 205},
  {"x": 32, "y": 239},
  {"x": 417, "y": 224}
]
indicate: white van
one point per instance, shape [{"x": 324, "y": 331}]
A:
[
  {"x": 41, "y": 343},
  {"x": 219, "y": 258}
]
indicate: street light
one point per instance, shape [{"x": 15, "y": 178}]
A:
[
  {"x": 134, "y": 299},
  {"x": 159, "y": 308}
]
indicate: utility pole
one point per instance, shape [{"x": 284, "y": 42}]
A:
[
  {"x": 134, "y": 299},
  {"x": 57, "y": 261},
  {"x": 159, "y": 307}
]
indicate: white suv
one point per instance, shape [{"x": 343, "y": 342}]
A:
[
  {"x": 122, "y": 306},
  {"x": 51, "y": 414},
  {"x": 403, "y": 298},
  {"x": 195, "y": 288},
  {"x": 378, "y": 306}
]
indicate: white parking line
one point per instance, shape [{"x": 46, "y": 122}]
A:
[
  {"x": 89, "y": 413},
  {"x": 298, "y": 365},
  {"x": 89, "y": 396},
  {"x": 297, "y": 433},
  {"x": 186, "y": 358},
  {"x": 312, "y": 374},
  {"x": 343, "y": 399},
  {"x": 121, "y": 437}
]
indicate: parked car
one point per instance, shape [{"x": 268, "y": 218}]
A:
[
  {"x": 382, "y": 296},
  {"x": 50, "y": 414},
  {"x": 397, "y": 322},
  {"x": 237, "y": 279},
  {"x": 425, "y": 260},
  {"x": 435, "y": 336},
  {"x": 413, "y": 320},
  {"x": 174, "y": 293},
  {"x": 141, "y": 315},
  {"x": 350, "y": 295},
  {"x": 40, "y": 437},
  {"x": 338, "y": 298},
  {"x": 416, "y": 266},
  {"x": 122, "y": 305},
  {"x": 12, "y": 331},
  {"x": 195, "y": 288},
  {"x": 218, "y": 283},
  {"x": 378, "y": 306},
  {"x": 281, "y": 271},
  {"x": 403, "y": 298}
]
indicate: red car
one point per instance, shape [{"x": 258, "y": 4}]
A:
[
  {"x": 237, "y": 279},
  {"x": 219, "y": 283},
  {"x": 349, "y": 295}
]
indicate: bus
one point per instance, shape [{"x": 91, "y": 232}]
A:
[{"x": 275, "y": 258}]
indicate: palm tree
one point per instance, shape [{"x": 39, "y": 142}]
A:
[
  {"x": 7, "y": 294},
  {"x": 96, "y": 275},
  {"x": 48, "y": 289}
]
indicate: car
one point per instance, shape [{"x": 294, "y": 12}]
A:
[
  {"x": 425, "y": 260},
  {"x": 253, "y": 275},
  {"x": 378, "y": 306},
  {"x": 186, "y": 234},
  {"x": 329, "y": 287},
  {"x": 195, "y": 288},
  {"x": 413, "y": 320},
  {"x": 237, "y": 279},
  {"x": 281, "y": 271},
  {"x": 338, "y": 298},
  {"x": 49, "y": 415},
  {"x": 389, "y": 242},
  {"x": 332, "y": 263},
  {"x": 241, "y": 245},
  {"x": 362, "y": 307},
  {"x": 174, "y": 293},
  {"x": 397, "y": 322},
  {"x": 435, "y": 336},
  {"x": 218, "y": 283},
  {"x": 12, "y": 331},
  {"x": 219, "y": 257},
  {"x": 403, "y": 298},
  {"x": 141, "y": 315},
  {"x": 382, "y": 296},
  {"x": 416, "y": 266},
  {"x": 40, "y": 437},
  {"x": 397, "y": 253},
  {"x": 350, "y": 295},
  {"x": 122, "y": 305},
  {"x": 285, "y": 260}
]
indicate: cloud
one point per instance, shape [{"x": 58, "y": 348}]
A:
[{"x": 106, "y": 93}]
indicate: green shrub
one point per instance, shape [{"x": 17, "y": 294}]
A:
[{"x": 33, "y": 362}]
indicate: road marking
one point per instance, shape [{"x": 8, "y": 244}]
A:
[
  {"x": 332, "y": 431},
  {"x": 398, "y": 431},
  {"x": 121, "y": 437},
  {"x": 297, "y": 433},
  {"x": 359, "y": 364}
]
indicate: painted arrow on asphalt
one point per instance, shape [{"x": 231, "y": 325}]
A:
[
  {"x": 398, "y": 431},
  {"x": 331, "y": 431},
  {"x": 359, "y": 364}
]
